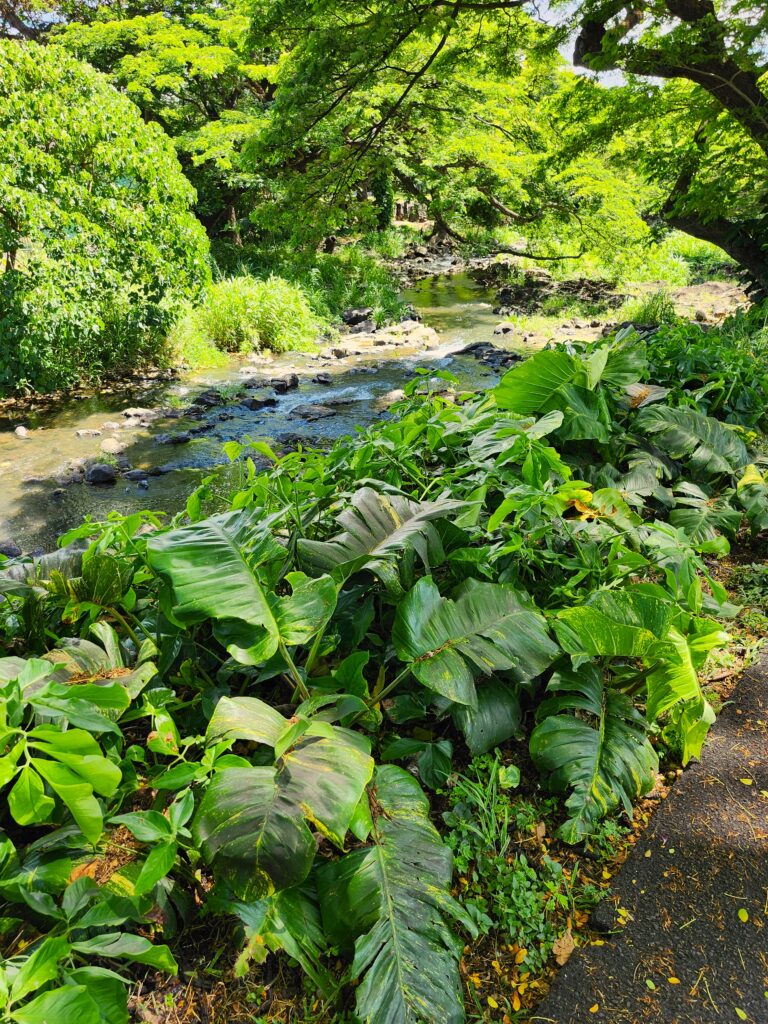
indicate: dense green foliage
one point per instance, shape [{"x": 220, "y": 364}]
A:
[
  {"x": 531, "y": 560},
  {"x": 241, "y": 314},
  {"x": 99, "y": 248}
]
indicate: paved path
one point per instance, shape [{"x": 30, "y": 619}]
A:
[{"x": 696, "y": 888}]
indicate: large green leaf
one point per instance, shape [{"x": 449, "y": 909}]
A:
[
  {"x": 211, "y": 569},
  {"x": 497, "y": 717},
  {"x": 488, "y": 628},
  {"x": 613, "y": 623},
  {"x": 590, "y": 739},
  {"x": 377, "y": 528},
  {"x": 527, "y": 387},
  {"x": 393, "y": 900},
  {"x": 711, "y": 447},
  {"x": 252, "y": 824}
]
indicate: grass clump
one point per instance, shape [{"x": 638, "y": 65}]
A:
[
  {"x": 246, "y": 314},
  {"x": 649, "y": 310}
]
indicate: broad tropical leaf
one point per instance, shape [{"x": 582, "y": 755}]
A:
[
  {"x": 614, "y": 623},
  {"x": 603, "y": 756},
  {"x": 527, "y": 387},
  {"x": 393, "y": 900},
  {"x": 211, "y": 570},
  {"x": 497, "y": 717},
  {"x": 489, "y": 628},
  {"x": 711, "y": 447},
  {"x": 252, "y": 822},
  {"x": 675, "y": 681},
  {"x": 703, "y": 516},
  {"x": 377, "y": 528}
]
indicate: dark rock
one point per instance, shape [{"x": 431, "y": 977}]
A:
[
  {"x": 255, "y": 403},
  {"x": 144, "y": 484},
  {"x": 159, "y": 470},
  {"x": 311, "y": 412},
  {"x": 352, "y": 317},
  {"x": 410, "y": 314},
  {"x": 339, "y": 353},
  {"x": 284, "y": 384},
  {"x": 10, "y": 549},
  {"x": 136, "y": 474},
  {"x": 184, "y": 437},
  {"x": 202, "y": 428},
  {"x": 363, "y": 327},
  {"x": 58, "y": 492},
  {"x": 322, "y": 378},
  {"x": 101, "y": 473},
  {"x": 21, "y": 432},
  {"x": 490, "y": 355},
  {"x": 87, "y": 433},
  {"x": 209, "y": 398}
]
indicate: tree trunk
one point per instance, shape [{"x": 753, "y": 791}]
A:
[{"x": 747, "y": 247}]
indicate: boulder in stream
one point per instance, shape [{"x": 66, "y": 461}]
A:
[
  {"x": 353, "y": 317},
  {"x": 208, "y": 399},
  {"x": 101, "y": 473},
  {"x": 282, "y": 385},
  {"x": 10, "y": 549},
  {"x": 87, "y": 432},
  {"x": 257, "y": 402},
  {"x": 21, "y": 432},
  {"x": 311, "y": 412}
]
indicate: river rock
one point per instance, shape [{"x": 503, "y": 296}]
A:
[
  {"x": 506, "y": 327},
  {"x": 490, "y": 355},
  {"x": 284, "y": 384},
  {"x": 257, "y": 402},
  {"x": 21, "y": 432},
  {"x": 136, "y": 474},
  {"x": 101, "y": 473},
  {"x": 184, "y": 437},
  {"x": 322, "y": 378},
  {"x": 88, "y": 432},
  {"x": 111, "y": 425},
  {"x": 208, "y": 399},
  {"x": 112, "y": 446},
  {"x": 311, "y": 412},
  {"x": 10, "y": 549},
  {"x": 352, "y": 317},
  {"x": 364, "y": 327}
]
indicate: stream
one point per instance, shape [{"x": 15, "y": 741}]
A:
[{"x": 37, "y": 503}]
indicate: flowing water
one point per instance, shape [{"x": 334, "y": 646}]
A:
[{"x": 35, "y": 509}]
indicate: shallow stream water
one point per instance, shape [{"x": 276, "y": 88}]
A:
[{"x": 34, "y": 510}]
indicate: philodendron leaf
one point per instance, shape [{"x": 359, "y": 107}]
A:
[
  {"x": 377, "y": 528},
  {"x": 613, "y": 623},
  {"x": 527, "y": 387},
  {"x": 497, "y": 717},
  {"x": 252, "y": 824},
  {"x": 489, "y": 628},
  {"x": 603, "y": 756},
  {"x": 210, "y": 570},
  {"x": 392, "y": 899},
  {"x": 711, "y": 448}
]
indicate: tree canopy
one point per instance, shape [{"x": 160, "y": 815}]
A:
[{"x": 99, "y": 247}]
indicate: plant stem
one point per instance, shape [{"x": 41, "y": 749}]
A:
[
  {"x": 126, "y": 627},
  {"x": 301, "y": 686}
]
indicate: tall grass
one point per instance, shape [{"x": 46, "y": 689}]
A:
[{"x": 244, "y": 314}]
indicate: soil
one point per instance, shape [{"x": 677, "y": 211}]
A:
[{"x": 691, "y": 902}]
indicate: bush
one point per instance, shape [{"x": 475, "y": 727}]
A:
[
  {"x": 99, "y": 249},
  {"x": 241, "y": 314}
]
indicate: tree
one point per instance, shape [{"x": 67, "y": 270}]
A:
[
  {"x": 712, "y": 57},
  {"x": 197, "y": 74},
  {"x": 98, "y": 247},
  {"x": 720, "y": 50}
]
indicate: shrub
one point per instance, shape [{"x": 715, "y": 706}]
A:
[
  {"x": 98, "y": 247},
  {"x": 241, "y": 314}
]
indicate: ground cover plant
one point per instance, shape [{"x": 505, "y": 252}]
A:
[{"x": 247, "y": 713}]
